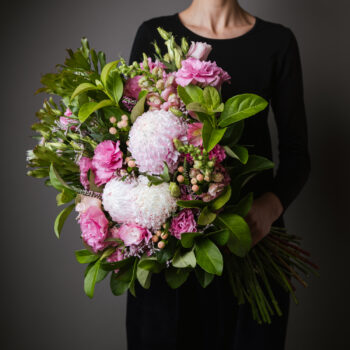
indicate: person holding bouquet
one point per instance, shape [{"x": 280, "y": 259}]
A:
[{"x": 261, "y": 57}]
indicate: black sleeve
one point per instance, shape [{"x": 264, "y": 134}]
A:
[
  {"x": 287, "y": 103},
  {"x": 142, "y": 43}
]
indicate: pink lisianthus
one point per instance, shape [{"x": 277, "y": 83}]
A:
[
  {"x": 107, "y": 159},
  {"x": 85, "y": 164},
  {"x": 154, "y": 64},
  {"x": 94, "y": 228},
  {"x": 218, "y": 152},
  {"x": 194, "y": 134},
  {"x": 199, "y": 50},
  {"x": 132, "y": 88},
  {"x": 183, "y": 222},
  {"x": 132, "y": 234},
  {"x": 203, "y": 73}
]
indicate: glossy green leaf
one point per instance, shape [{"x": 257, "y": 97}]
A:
[
  {"x": 191, "y": 204},
  {"x": 188, "y": 238},
  {"x": 220, "y": 201},
  {"x": 240, "y": 239},
  {"x": 144, "y": 277},
  {"x": 65, "y": 196},
  {"x": 84, "y": 256},
  {"x": 196, "y": 107},
  {"x": 206, "y": 217},
  {"x": 84, "y": 87},
  {"x": 211, "y": 136},
  {"x": 106, "y": 70},
  {"x": 88, "y": 108},
  {"x": 139, "y": 108},
  {"x": 176, "y": 277},
  {"x": 61, "y": 218},
  {"x": 204, "y": 278},
  {"x": 56, "y": 180},
  {"x": 150, "y": 264},
  {"x": 233, "y": 133},
  {"x": 219, "y": 237},
  {"x": 241, "y": 107},
  {"x": 209, "y": 257},
  {"x": 237, "y": 152},
  {"x": 120, "y": 282},
  {"x": 115, "y": 85},
  {"x": 211, "y": 97},
  {"x": 91, "y": 279},
  {"x": 190, "y": 93},
  {"x": 243, "y": 206},
  {"x": 184, "y": 259}
]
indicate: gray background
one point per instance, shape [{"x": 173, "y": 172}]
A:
[{"x": 44, "y": 303}]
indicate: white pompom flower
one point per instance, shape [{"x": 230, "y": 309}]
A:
[
  {"x": 134, "y": 202},
  {"x": 151, "y": 140}
]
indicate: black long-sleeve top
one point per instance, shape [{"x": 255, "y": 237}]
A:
[{"x": 264, "y": 61}]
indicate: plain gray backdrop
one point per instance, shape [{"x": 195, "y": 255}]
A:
[{"x": 44, "y": 306}]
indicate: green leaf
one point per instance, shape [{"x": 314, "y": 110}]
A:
[
  {"x": 219, "y": 237},
  {"x": 65, "y": 196},
  {"x": 92, "y": 186},
  {"x": 243, "y": 206},
  {"x": 237, "y": 152},
  {"x": 240, "y": 239},
  {"x": 133, "y": 279},
  {"x": 121, "y": 281},
  {"x": 61, "y": 218},
  {"x": 84, "y": 256},
  {"x": 187, "y": 238},
  {"x": 90, "y": 279},
  {"x": 144, "y": 277},
  {"x": 150, "y": 264},
  {"x": 212, "y": 98},
  {"x": 206, "y": 217},
  {"x": 190, "y": 93},
  {"x": 118, "y": 265},
  {"x": 184, "y": 259},
  {"x": 168, "y": 251},
  {"x": 233, "y": 133},
  {"x": 56, "y": 180},
  {"x": 106, "y": 70},
  {"x": 165, "y": 175},
  {"x": 84, "y": 87},
  {"x": 241, "y": 107},
  {"x": 211, "y": 136},
  {"x": 204, "y": 278},
  {"x": 139, "y": 108},
  {"x": 191, "y": 204},
  {"x": 115, "y": 86},
  {"x": 220, "y": 201},
  {"x": 209, "y": 257},
  {"x": 196, "y": 107},
  {"x": 88, "y": 108},
  {"x": 176, "y": 277}
]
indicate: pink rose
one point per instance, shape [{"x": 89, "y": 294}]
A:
[
  {"x": 199, "y": 50},
  {"x": 85, "y": 165},
  {"x": 203, "y": 73},
  {"x": 132, "y": 88},
  {"x": 132, "y": 234},
  {"x": 94, "y": 228},
  {"x": 183, "y": 222},
  {"x": 107, "y": 159},
  {"x": 194, "y": 134}
]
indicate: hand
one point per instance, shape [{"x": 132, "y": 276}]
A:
[{"x": 264, "y": 211}]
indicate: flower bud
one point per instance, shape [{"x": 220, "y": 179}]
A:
[
  {"x": 160, "y": 84},
  {"x": 112, "y": 130},
  {"x": 200, "y": 177},
  {"x": 113, "y": 119},
  {"x": 194, "y": 181},
  {"x": 181, "y": 169},
  {"x": 164, "y": 34},
  {"x": 195, "y": 188},
  {"x": 174, "y": 189},
  {"x": 180, "y": 179},
  {"x": 164, "y": 235},
  {"x": 161, "y": 244},
  {"x": 184, "y": 45},
  {"x": 155, "y": 238}
]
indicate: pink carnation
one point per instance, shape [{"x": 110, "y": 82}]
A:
[
  {"x": 132, "y": 234},
  {"x": 94, "y": 228},
  {"x": 183, "y": 222},
  {"x": 194, "y": 134},
  {"x": 203, "y": 73},
  {"x": 85, "y": 165},
  {"x": 132, "y": 88},
  {"x": 218, "y": 152},
  {"x": 107, "y": 159}
]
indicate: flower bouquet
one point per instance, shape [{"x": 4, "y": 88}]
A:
[{"x": 141, "y": 153}]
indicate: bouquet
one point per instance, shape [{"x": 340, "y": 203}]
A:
[{"x": 141, "y": 152}]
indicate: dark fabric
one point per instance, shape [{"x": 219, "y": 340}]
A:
[{"x": 264, "y": 61}]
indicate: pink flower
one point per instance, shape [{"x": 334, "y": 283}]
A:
[
  {"x": 85, "y": 165},
  {"x": 183, "y": 222},
  {"x": 68, "y": 112},
  {"x": 203, "y": 73},
  {"x": 154, "y": 64},
  {"x": 94, "y": 228},
  {"x": 199, "y": 50},
  {"x": 132, "y": 88},
  {"x": 107, "y": 159},
  {"x": 66, "y": 123},
  {"x": 86, "y": 202},
  {"x": 218, "y": 152},
  {"x": 132, "y": 234},
  {"x": 194, "y": 134},
  {"x": 115, "y": 257}
]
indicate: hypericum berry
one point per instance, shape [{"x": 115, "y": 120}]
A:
[
  {"x": 207, "y": 178},
  {"x": 155, "y": 238},
  {"x": 131, "y": 163},
  {"x": 113, "y": 119},
  {"x": 124, "y": 117},
  {"x": 159, "y": 232},
  {"x": 200, "y": 177},
  {"x": 194, "y": 181},
  {"x": 112, "y": 130},
  {"x": 195, "y": 188},
  {"x": 161, "y": 245},
  {"x": 180, "y": 178},
  {"x": 181, "y": 169},
  {"x": 164, "y": 235}
]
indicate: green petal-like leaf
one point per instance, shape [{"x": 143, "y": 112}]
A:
[
  {"x": 88, "y": 108},
  {"x": 211, "y": 136},
  {"x": 219, "y": 237},
  {"x": 151, "y": 264},
  {"x": 206, "y": 217},
  {"x": 204, "y": 278},
  {"x": 91, "y": 279},
  {"x": 139, "y": 108},
  {"x": 209, "y": 257},
  {"x": 176, "y": 277},
  {"x": 184, "y": 259},
  {"x": 115, "y": 86},
  {"x": 84, "y": 256},
  {"x": 212, "y": 98},
  {"x": 220, "y": 201},
  {"x": 144, "y": 277},
  {"x": 241, "y": 107},
  {"x": 188, "y": 238},
  {"x": 190, "y": 93},
  {"x": 191, "y": 204},
  {"x": 106, "y": 70},
  {"x": 56, "y": 180},
  {"x": 84, "y": 87},
  {"x": 61, "y": 218},
  {"x": 120, "y": 281},
  {"x": 237, "y": 152}
]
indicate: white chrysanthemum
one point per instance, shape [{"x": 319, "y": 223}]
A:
[
  {"x": 137, "y": 203},
  {"x": 151, "y": 140}
]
